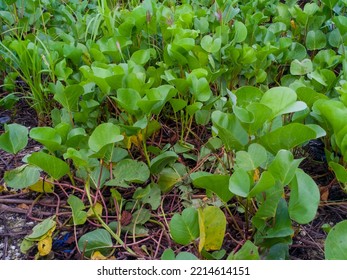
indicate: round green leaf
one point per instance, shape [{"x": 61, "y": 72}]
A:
[
  {"x": 336, "y": 242},
  {"x": 47, "y": 136},
  {"x": 304, "y": 198},
  {"x": 97, "y": 240},
  {"x": 315, "y": 40},
  {"x": 185, "y": 228},
  {"x": 14, "y": 139},
  {"x": 104, "y": 134},
  {"x": 239, "y": 183},
  {"x": 301, "y": 67},
  {"x": 22, "y": 177}
]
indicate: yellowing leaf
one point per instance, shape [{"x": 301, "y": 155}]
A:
[
  {"x": 212, "y": 224},
  {"x": 136, "y": 139},
  {"x": 202, "y": 229},
  {"x": 98, "y": 256},
  {"x": 44, "y": 246},
  {"x": 42, "y": 186},
  {"x": 97, "y": 209},
  {"x": 256, "y": 175}
]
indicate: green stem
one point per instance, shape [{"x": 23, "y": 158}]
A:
[{"x": 104, "y": 225}]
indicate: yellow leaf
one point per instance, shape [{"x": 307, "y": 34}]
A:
[
  {"x": 292, "y": 24},
  {"x": 42, "y": 186},
  {"x": 256, "y": 175},
  {"x": 202, "y": 229},
  {"x": 127, "y": 141},
  {"x": 136, "y": 139},
  {"x": 45, "y": 246},
  {"x": 98, "y": 256},
  {"x": 97, "y": 209},
  {"x": 3, "y": 188},
  {"x": 212, "y": 224}
]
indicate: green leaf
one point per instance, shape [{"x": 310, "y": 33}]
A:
[
  {"x": 301, "y": 67},
  {"x": 315, "y": 40},
  {"x": 252, "y": 159},
  {"x": 229, "y": 130},
  {"x": 127, "y": 98},
  {"x": 266, "y": 181},
  {"x": 41, "y": 229},
  {"x": 78, "y": 215},
  {"x": 168, "y": 177},
  {"x": 340, "y": 171},
  {"x": 247, "y": 94},
  {"x": 185, "y": 228},
  {"x": 211, "y": 45},
  {"x": 240, "y": 32},
  {"x": 96, "y": 240},
  {"x": 330, "y": 3},
  {"x": 282, "y": 100},
  {"x": 104, "y": 134},
  {"x": 47, "y": 136},
  {"x": 151, "y": 195},
  {"x": 69, "y": 98},
  {"x": 284, "y": 166},
  {"x": 268, "y": 206},
  {"x": 248, "y": 251},
  {"x": 309, "y": 96},
  {"x": 22, "y": 176},
  {"x": 129, "y": 171},
  {"x": 161, "y": 161},
  {"x": 239, "y": 183},
  {"x": 141, "y": 57},
  {"x": 287, "y": 137},
  {"x": 52, "y": 165},
  {"x": 169, "y": 255},
  {"x": 212, "y": 224},
  {"x": 62, "y": 71},
  {"x": 282, "y": 226},
  {"x": 336, "y": 242},
  {"x": 304, "y": 198},
  {"x": 219, "y": 184},
  {"x": 14, "y": 139}
]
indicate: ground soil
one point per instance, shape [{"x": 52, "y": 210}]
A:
[{"x": 20, "y": 211}]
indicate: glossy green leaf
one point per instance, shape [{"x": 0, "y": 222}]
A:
[
  {"x": 141, "y": 57},
  {"x": 266, "y": 181},
  {"x": 22, "y": 176},
  {"x": 282, "y": 100},
  {"x": 240, "y": 32},
  {"x": 184, "y": 228},
  {"x": 252, "y": 159},
  {"x": 14, "y": 139},
  {"x": 127, "y": 98},
  {"x": 77, "y": 206},
  {"x": 339, "y": 170},
  {"x": 52, "y": 165},
  {"x": 47, "y": 136},
  {"x": 240, "y": 183},
  {"x": 104, "y": 134},
  {"x": 284, "y": 166},
  {"x": 217, "y": 183},
  {"x": 287, "y": 137},
  {"x": 212, "y": 224},
  {"x": 69, "y": 98},
  {"x": 229, "y": 130},
  {"x": 336, "y": 242},
  {"x": 96, "y": 240},
  {"x": 247, "y": 94},
  {"x": 304, "y": 198}
]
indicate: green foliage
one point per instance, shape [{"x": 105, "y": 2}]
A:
[{"x": 203, "y": 102}]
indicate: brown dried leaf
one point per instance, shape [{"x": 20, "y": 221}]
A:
[{"x": 126, "y": 218}]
